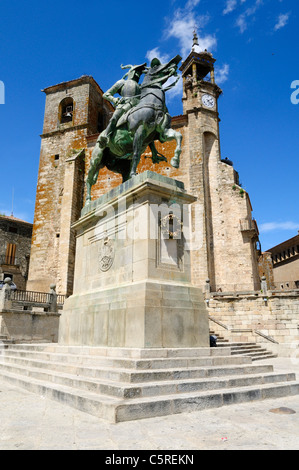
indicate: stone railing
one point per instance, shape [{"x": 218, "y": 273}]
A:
[
  {"x": 27, "y": 316},
  {"x": 265, "y": 291},
  {"x": 27, "y": 300},
  {"x": 242, "y": 330}
]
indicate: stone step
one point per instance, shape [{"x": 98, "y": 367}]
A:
[
  {"x": 92, "y": 403},
  {"x": 129, "y": 362},
  {"x": 253, "y": 350},
  {"x": 146, "y": 408},
  {"x": 235, "y": 345},
  {"x": 249, "y": 351},
  {"x": 117, "y": 409},
  {"x": 120, "y": 352},
  {"x": 161, "y": 387},
  {"x": 120, "y": 384},
  {"x": 132, "y": 375},
  {"x": 258, "y": 357}
]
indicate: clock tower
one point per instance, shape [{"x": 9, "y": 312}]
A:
[
  {"x": 227, "y": 255},
  {"x": 201, "y": 93}
]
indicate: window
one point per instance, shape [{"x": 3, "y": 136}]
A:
[
  {"x": 10, "y": 253},
  {"x": 56, "y": 157},
  {"x": 66, "y": 110},
  {"x": 12, "y": 229}
]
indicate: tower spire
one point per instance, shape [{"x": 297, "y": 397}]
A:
[{"x": 195, "y": 39}]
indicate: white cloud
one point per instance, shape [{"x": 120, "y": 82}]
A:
[
  {"x": 282, "y": 21},
  {"x": 181, "y": 27},
  {"x": 191, "y": 4},
  {"x": 242, "y": 23},
  {"x": 242, "y": 20},
  {"x": 176, "y": 91},
  {"x": 231, "y": 5},
  {"x": 271, "y": 226},
  {"x": 156, "y": 53},
  {"x": 221, "y": 75}
]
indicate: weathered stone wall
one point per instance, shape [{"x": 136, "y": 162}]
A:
[
  {"x": 257, "y": 318},
  {"x": 22, "y": 240},
  {"x": 60, "y": 187},
  {"x": 25, "y": 326},
  {"x": 51, "y": 198}
]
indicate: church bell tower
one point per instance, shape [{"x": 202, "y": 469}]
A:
[
  {"x": 201, "y": 93},
  {"x": 227, "y": 256}
]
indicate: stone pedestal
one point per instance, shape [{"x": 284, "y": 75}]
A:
[{"x": 132, "y": 274}]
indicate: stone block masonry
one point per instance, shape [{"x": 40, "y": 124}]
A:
[
  {"x": 60, "y": 187},
  {"x": 270, "y": 319}
]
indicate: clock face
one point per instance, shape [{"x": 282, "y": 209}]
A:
[{"x": 208, "y": 101}]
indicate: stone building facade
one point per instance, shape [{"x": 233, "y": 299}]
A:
[
  {"x": 15, "y": 244},
  {"x": 285, "y": 264},
  {"x": 74, "y": 110},
  {"x": 226, "y": 235}
]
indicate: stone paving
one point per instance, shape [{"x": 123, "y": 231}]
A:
[{"x": 31, "y": 422}]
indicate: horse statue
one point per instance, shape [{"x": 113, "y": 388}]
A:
[{"x": 140, "y": 118}]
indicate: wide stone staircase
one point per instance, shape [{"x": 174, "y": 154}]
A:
[
  {"x": 119, "y": 384},
  {"x": 254, "y": 350}
]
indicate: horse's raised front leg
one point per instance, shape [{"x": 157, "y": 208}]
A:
[
  {"x": 95, "y": 166},
  {"x": 139, "y": 137}
]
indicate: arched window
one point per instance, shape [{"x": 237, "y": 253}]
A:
[{"x": 66, "y": 110}]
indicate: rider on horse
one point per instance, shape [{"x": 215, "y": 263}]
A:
[
  {"x": 141, "y": 118},
  {"x": 130, "y": 92}
]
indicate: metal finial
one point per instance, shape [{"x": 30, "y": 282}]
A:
[{"x": 195, "y": 39}]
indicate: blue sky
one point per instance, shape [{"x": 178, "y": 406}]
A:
[{"x": 254, "y": 41}]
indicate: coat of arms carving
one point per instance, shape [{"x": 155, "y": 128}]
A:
[{"x": 106, "y": 254}]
